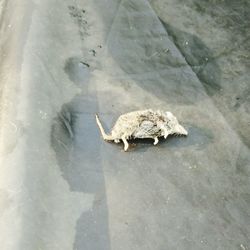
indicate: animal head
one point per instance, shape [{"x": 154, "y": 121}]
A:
[{"x": 170, "y": 126}]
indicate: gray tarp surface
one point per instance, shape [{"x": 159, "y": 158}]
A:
[{"x": 62, "y": 187}]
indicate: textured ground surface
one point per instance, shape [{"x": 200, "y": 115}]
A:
[{"x": 62, "y": 187}]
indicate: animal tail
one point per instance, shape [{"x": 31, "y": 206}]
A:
[{"x": 104, "y": 135}]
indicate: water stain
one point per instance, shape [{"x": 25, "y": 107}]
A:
[
  {"x": 76, "y": 143},
  {"x": 77, "y": 70}
]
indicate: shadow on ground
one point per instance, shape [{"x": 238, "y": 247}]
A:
[{"x": 77, "y": 147}]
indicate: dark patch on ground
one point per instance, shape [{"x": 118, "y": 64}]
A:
[
  {"x": 79, "y": 16},
  {"x": 77, "y": 147},
  {"x": 232, "y": 15},
  {"x": 198, "y": 56},
  {"x": 77, "y": 70},
  {"x": 243, "y": 99},
  {"x": 76, "y": 142}
]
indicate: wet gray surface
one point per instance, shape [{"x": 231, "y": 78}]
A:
[{"x": 62, "y": 187}]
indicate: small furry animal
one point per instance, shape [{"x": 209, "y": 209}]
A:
[{"x": 142, "y": 124}]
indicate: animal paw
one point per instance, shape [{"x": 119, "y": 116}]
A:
[
  {"x": 126, "y": 145},
  {"x": 156, "y": 140}
]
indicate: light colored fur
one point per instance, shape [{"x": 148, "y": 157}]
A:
[{"x": 142, "y": 124}]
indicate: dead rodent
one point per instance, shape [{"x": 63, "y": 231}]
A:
[{"x": 142, "y": 124}]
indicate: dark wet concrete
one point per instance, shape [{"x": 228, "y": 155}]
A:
[{"x": 63, "y": 187}]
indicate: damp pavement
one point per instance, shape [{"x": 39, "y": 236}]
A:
[{"x": 62, "y": 186}]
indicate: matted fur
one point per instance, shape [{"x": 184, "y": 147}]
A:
[{"x": 142, "y": 124}]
